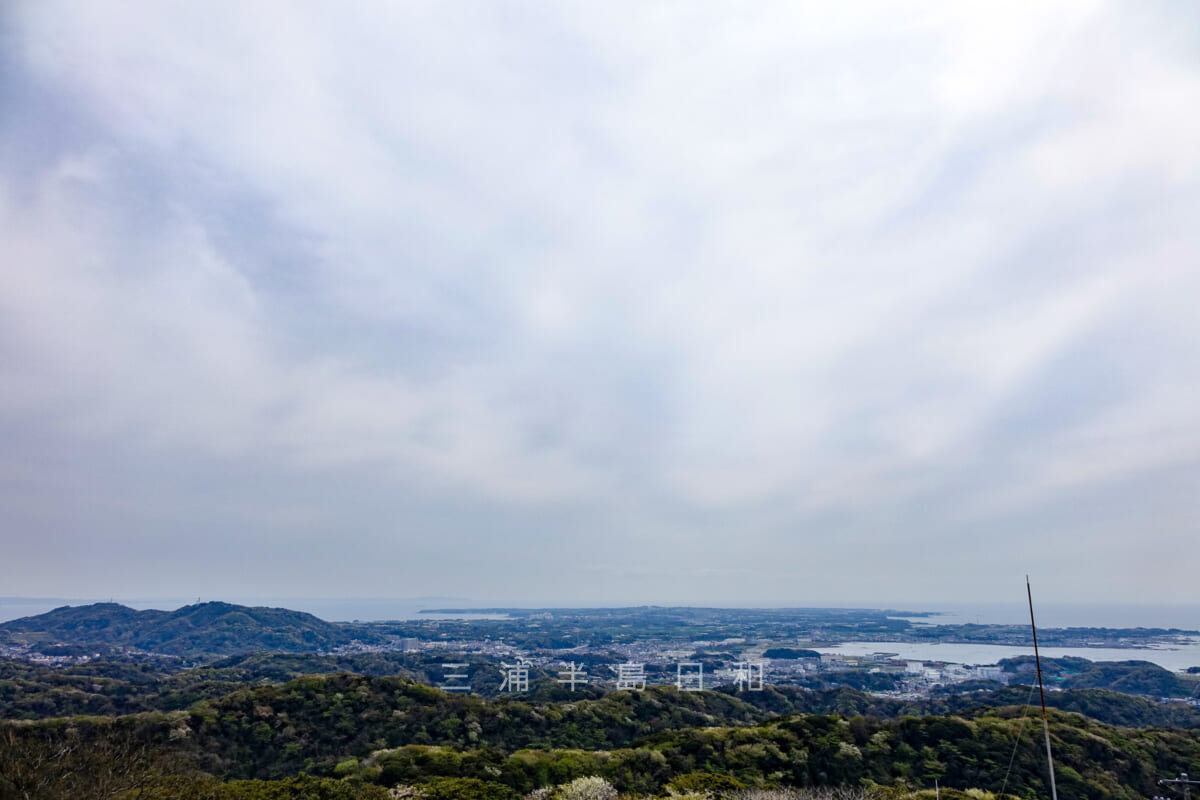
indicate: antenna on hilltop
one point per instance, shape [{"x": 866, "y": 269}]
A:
[{"x": 1037, "y": 659}]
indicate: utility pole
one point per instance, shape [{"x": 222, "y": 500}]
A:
[{"x": 1183, "y": 781}]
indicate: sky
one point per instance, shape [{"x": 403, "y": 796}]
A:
[{"x": 708, "y": 303}]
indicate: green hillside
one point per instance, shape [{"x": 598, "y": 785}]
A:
[
  {"x": 203, "y": 629},
  {"x": 367, "y": 731}
]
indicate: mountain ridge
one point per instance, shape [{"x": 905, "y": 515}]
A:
[{"x": 213, "y": 627}]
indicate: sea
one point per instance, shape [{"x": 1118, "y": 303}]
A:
[
  {"x": 1177, "y": 655},
  {"x": 1062, "y": 615}
]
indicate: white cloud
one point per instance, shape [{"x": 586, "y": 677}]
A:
[{"x": 788, "y": 261}]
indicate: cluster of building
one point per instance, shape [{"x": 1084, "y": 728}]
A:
[
  {"x": 23, "y": 652},
  {"x": 686, "y": 665},
  {"x": 916, "y": 675}
]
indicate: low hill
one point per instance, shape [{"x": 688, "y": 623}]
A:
[
  {"x": 391, "y": 730},
  {"x": 271, "y": 731},
  {"x": 790, "y": 653},
  {"x": 192, "y": 631},
  {"x": 33, "y": 691},
  {"x": 1130, "y": 677}
]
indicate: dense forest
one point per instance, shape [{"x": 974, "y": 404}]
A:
[
  {"x": 1131, "y": 677},
  {"x": 352, "y": 733},
  {"x": 32, "y": 691}
]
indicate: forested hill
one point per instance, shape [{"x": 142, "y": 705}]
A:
[
  {"x": 34, "y": 691},
  {"x": 276, "y": 730},
  {"x": 1130, "y": 677},
  {"x": 390, "y": 730},
  {"x": 201, "y": 629}
]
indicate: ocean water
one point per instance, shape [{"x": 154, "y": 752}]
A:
[
  {"x": 1049, "y": 615},
  {"x": 1175, "y": 657},
  {"x": 1064, "y": 615}
]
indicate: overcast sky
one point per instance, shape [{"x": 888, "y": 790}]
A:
[{"x": 683, "y": 303}]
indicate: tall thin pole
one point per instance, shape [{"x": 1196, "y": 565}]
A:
[{"x": 1037, "y": 660}]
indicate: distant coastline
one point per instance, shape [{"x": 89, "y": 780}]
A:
[{"x": 1185, "y": 617}]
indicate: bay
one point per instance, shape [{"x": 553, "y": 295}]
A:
[{"x": 1175, "y": 657}]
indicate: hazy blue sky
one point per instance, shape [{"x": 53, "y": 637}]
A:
[{"x": 728, "y": 303}]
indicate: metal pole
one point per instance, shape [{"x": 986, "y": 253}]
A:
[
  {"x": 1037, "y": 660},
  {"x": 1183, "y": 781}
]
